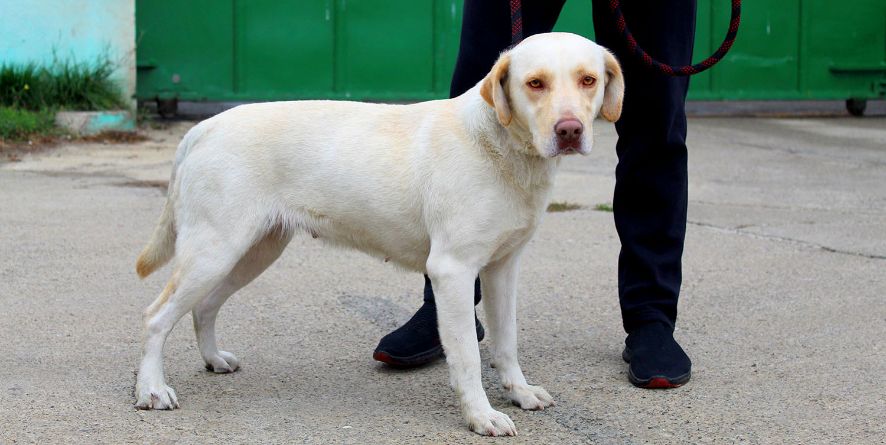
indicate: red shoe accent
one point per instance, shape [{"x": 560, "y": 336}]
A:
[
  {"x": 661, "y": 383},
  {"x": 384, "y": 357}
]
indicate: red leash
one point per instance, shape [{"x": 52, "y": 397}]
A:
[{"x": 634, "y": 47}]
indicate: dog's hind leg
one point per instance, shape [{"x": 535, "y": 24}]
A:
[
  {"x": 256, "y": 260},
  {"x": 205, "y": 257}
]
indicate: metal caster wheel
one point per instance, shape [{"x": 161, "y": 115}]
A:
[
  {"x": 856, "y": 107},
  {"x": 167, "y": 108}
]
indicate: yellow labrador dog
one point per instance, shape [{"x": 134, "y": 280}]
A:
[{"x": 453, "y": 188}]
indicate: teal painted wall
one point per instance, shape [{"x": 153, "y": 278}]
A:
[{"x": 78, "y": 30}]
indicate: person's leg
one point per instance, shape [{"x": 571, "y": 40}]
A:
[
  {"x": 650, "y": 198},
  {"x": 417, "y": 342},
  {"x": 485, "y": 33}
]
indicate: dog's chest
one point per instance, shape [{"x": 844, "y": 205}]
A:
[{"x": 517, "y": 223}]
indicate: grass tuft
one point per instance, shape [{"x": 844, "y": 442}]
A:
[
  {"x": 31, "y": 94},
  {"x": 63, "y": 85},
  {"x": 17, "y": 124},
  {"x": 562, "y": 206},
  {"x": 603, "y": 207}
]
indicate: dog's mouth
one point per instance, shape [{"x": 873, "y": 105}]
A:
[
  {"x": 566, "y": 148},
  {"x": 569, "y": 145},
  {"x": 555, "y": 147}
]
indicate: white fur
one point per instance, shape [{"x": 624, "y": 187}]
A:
[{"x": 440, "y": 187}]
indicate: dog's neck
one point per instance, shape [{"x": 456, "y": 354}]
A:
[{"x": 510, "y": 149}]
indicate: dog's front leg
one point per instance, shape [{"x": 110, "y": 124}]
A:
[
  {"x": 499, "y": 282},
  {"x": 453, "y": 282}
]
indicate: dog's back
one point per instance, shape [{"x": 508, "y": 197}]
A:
[{"x": 349, "y": 173}]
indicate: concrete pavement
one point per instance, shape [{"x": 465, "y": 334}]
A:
[{"x": 783, "y": 309}]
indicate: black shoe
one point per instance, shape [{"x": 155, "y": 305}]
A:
[
  {"x": 417, "y": 342},
  {"x": 656, "y": 360}
]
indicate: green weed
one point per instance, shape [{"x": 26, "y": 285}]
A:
[
  {"x": 31, "y": 94},
  {"x": 63, "y": 85},
  {"x": 17, "y": 124},
  {"x": 562, "y": 207}
]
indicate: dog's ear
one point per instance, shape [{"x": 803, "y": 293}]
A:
[
  {"x": 493, "y": 91},
  {"x": 614, "y": 94}
]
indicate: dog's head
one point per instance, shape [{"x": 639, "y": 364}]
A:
[{"x": 550, "y": 87}]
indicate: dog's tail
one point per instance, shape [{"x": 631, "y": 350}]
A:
[{"x": 161, "y": 247}]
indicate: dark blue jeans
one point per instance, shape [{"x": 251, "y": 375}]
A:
[{"x": 650, "y": 197}]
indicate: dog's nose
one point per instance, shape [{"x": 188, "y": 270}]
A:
[{"x": 568, "y": 130}]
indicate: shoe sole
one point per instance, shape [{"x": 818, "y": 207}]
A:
[
  {"x": 411, "y": 361},
  {"x": 422, "y": 358},
  {"x": 654, "y": 382}
]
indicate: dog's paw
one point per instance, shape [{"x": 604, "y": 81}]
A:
[
  {"x": 491, "y": 423},
  {"x": 530, "y": 397},
  {"x": 155, "y": 397},
  {"x": 222, "y": 363}
]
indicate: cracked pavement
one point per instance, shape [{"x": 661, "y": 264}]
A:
[{"x": 783, "y": 309}]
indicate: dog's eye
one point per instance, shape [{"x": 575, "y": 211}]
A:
[
  {"x": 588, "y": 81},
  {"x": 535, "y": 84}
]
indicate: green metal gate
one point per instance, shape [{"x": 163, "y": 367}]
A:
[{"x": 404, "y": 50}]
